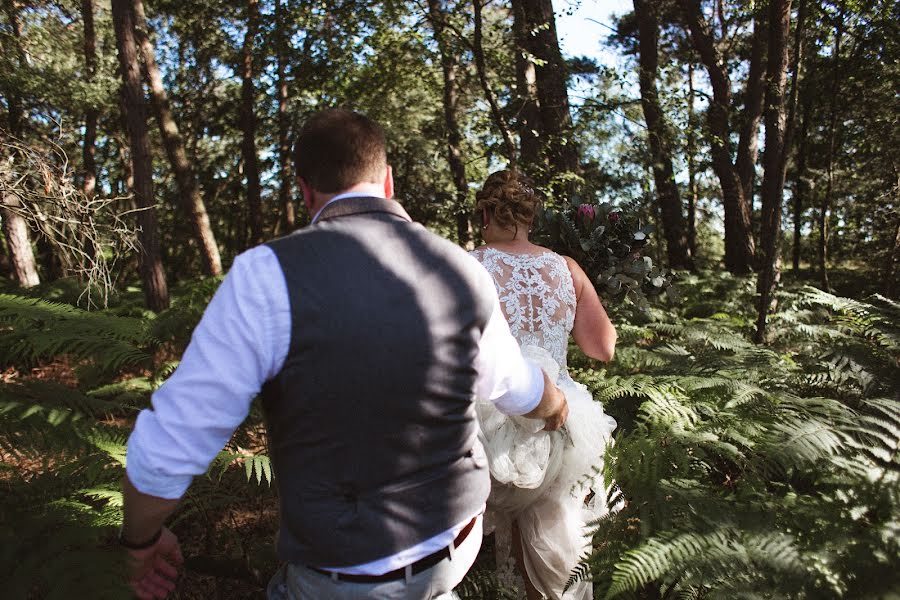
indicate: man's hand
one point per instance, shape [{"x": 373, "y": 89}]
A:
[
  {"x": 553, "y": 407},
  {"x": 558, "y": 418},
  {"x": 152, "y": 571}
]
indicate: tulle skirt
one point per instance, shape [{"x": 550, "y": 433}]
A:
[{"x": 542, "y": 480}]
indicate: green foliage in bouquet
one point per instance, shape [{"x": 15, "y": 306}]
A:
[{"x": 608, "y": 245}]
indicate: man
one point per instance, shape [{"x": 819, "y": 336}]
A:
[{"x": 369, "y": 338}]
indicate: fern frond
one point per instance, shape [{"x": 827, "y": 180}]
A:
[
  {"x": 659, "y": 555},
  {"x": 258, "y": 464},
  {"x": 638, "y": 386},
  {"x": 42, "y": 418},
  {"x": 37, "y": 330}
]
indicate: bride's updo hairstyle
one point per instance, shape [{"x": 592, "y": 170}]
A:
[{"x": 510, "y": 197}]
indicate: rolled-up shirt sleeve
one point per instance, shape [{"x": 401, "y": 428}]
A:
[
  {"x": 241, "y": 342},
  {"x": 505, "y": 377}
]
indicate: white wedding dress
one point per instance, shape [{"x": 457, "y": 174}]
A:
[{"x": 542, "y": 479}]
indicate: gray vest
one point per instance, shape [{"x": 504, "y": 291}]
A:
[{"x": 371, "y": 424}]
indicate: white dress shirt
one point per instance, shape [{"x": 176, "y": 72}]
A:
[{"x": 240, "y": 343}]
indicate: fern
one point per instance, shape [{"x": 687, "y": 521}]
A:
[
  {"x": 742, "y": 471},
  {"x": 259, "y": 465},
  {"x": 36, "y": 330},
  {"x": 753, "y": 472}
]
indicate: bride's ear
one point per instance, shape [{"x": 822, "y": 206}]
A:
[{"x": 485, "y": 218}]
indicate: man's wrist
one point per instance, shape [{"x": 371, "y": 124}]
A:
[{"x": 142, "y": 545}]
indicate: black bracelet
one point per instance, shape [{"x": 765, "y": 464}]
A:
[{"x": 142, "y": 546}]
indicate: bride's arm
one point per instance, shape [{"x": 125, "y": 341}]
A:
[{"x": 593, "y": 331}]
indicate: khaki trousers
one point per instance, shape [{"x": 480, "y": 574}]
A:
[{"x": 296, "y": 582}]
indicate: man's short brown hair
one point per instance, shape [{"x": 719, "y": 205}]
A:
[{"x": 337, "y": 149}]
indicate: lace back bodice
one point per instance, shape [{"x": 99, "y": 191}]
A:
[{"x": 537, "y": 296}]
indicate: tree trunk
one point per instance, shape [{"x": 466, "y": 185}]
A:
[
  {"x": 691, "y": 151},
  {"x": 891, "y": 283},
  {"x": 528, "y": 120},
  {"x": 496, "y": 113},
  {"x": 248, "y": 126},
  {"x": 832, "y": 138},
  {"x": 796, "y": 75},
  {"x": 156, "y": 292},
  {"x": 801, "y": 182},
  {"x": 796, "y": 78},
  {"x": 15, "y": 228},
  {"x": 285, "y": 191},
  {"x": 748, "y": 143},
  {"x": 773, "y": 161},
  {"x": 188, "y": 190},
  {"x": 552, "y": 90},
  {"x": 739, "y": 245},
  {"x": 723, "y": 20},
  {"x": 660, "y": 145},
  {"x": 449, "y": 67},
  {"x": 91, "y": 115},
  {"x": 15, "y": 112}
]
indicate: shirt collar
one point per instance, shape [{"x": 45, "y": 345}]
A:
[{"x": 341, "y": 197}]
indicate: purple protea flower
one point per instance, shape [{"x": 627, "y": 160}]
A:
[{"x": 586, "y": 212}]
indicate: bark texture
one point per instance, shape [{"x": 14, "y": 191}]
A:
[
  {"x": 481, "y": 68},
  {"x": 449, "y": 68},
  {"x": 691, "y": 151},
  {"x": 801, "y": 179},
  {"x": 740, "y": 248},
  {"x": 773, "y": 161},
  {"x": 552, "y": 91},
  {"x": 188, "y": 191},
  {"x": 156, "y": 291},
  {"x": 754, "y": 92},
  {"x": 23, "y": 265},
  {"x": 15, "y": 229},
  {"x": 796, "y": 80},
  {"x": 832, "y": 149},
  {"x": 91, "y": 114},
  {"x": 528, "y": 111},
  {"x": 660, "y": 142},
  {"x": 796, "y": 59},
  {"x": 285, "y": 170},
  {"x": 248, "y": 126}
]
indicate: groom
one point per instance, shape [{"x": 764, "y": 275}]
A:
[{"x": 368, "y": 337}]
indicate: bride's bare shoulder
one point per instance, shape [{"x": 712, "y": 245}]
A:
[
  {"x": 570, "y": 262},
  {"x": 543, "y": 250},
  {"x": 579, "y": 277}
]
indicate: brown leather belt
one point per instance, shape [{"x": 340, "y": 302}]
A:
[{"x": 423, "y": 564}]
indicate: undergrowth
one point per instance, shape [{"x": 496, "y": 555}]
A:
[
  {"x": 753, "y": 472},
  {"x": 748, "y": 471}
]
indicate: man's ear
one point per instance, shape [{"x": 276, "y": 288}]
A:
[
  {"x": 307, "y": 193},
  {"x": 389, "y": 183}
]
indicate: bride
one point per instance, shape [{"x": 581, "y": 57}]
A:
[{"x": 543, "y": 483}]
